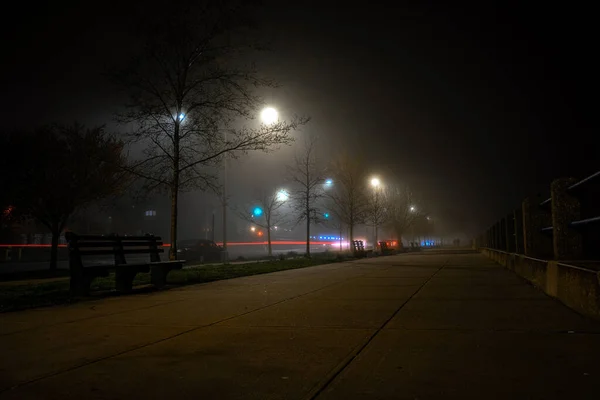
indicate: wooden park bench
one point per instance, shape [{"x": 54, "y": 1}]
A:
[
  {"x": 358, "y": 248},
  {"x": 117, "y": 246},
  {"x": 415, "y": 246},
  {"x": 385, "y": 249}
]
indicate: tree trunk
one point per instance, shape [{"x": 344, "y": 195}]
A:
[
  {"x": 269, "y": 250},
  {"x": 54, "y": 246},
  {"x": 307, "y": 225},
  {"x": 173, "y": 248},
  {"x": 175, "y": 192}
]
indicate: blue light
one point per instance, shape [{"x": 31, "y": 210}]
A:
[
  {"x": 320, "y": 237},
  {"x": 328, "y": 182},
  {"x": 257, "y": 212},
  {"x": 326, "y": 215}
]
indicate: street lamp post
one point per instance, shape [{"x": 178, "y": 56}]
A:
[
  {"x": 225, "y": 255},
  {"x": 376, "y": 183}
]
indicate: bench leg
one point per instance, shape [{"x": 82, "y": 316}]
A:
[
  {"x": 124, "y": 280},
  {"x": 158, "y": 275},
  {"x": 80, "y": 285}
]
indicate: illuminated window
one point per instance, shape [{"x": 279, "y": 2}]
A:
[{"x": 150, "y": 213}]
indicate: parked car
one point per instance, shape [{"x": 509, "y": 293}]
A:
[{"x": 202, "y": 250}]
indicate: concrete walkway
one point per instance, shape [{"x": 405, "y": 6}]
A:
[{"x": 433, "y": 326}]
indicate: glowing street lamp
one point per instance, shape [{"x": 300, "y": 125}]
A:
[
  {"x": 328, "y": 182},
  {"x": 282, "y": 195},
  {"x": 375, "y": 182},
  {"x": 413, "y": 208},
  {"x": 269, "y": 116}
]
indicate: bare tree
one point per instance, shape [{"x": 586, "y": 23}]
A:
[
  {"x": 403, "y": 209},
  {"x": 190, "y": 96},
  {"x": 335, "y": 222},
  {"x": 271, "y": 213},
  {"x": 348, "y": 197},
  {"x": 377, "y": 210},
  {"x": 307, "y": 175},
  {"x": 56, "y": 170}
]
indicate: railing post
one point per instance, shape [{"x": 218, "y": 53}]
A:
[
  {"x": 566, "y": 208},
  {"x": 499, "y": 235},
  {"x": 536, "y": 243},
  {"x": 518, "y": 229},
  {"x": 510, "y": 233}
]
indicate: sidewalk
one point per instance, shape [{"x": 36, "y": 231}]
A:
[{"x": 399, "y": 327}]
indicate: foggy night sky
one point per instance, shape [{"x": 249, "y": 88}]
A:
[{"x": 476, "y": 107}]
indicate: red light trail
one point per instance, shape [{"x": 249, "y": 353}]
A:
[{"x": 274, "y": 243}]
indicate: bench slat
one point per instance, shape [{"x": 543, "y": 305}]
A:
[
  {"x": 112, "y": 237},
  {"x": 110, "y": 251},
  {"x": 167, "y": 262},
  {"x": 111, "y": 243}
]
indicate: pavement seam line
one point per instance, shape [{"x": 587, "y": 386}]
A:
[
  {"x": 336, "y": 371},
  {"x": 50, "y": 375}
]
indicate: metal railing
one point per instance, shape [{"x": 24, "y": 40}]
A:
[
  {"x": 565, "y": 226},
  {"x": 572, "y": 190}
]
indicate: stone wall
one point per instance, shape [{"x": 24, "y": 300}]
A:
[{"x": 576, "y": 287}]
